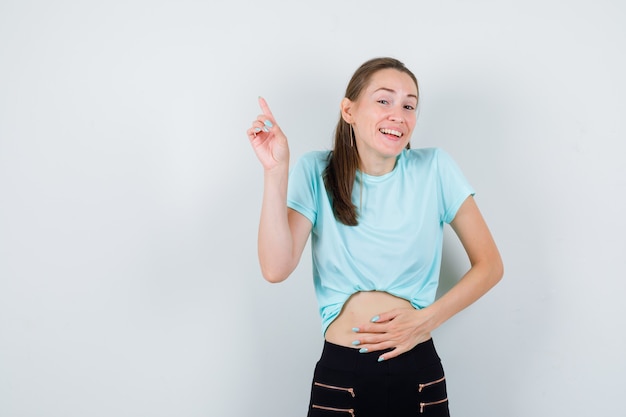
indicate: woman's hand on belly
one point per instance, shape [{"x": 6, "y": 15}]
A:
[{"x": 401, "y": 329}]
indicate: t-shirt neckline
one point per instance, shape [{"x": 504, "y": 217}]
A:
[{"x": 379, "y": 178}]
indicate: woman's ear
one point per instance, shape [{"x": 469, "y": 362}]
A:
[{"x": 346, "y": 110}]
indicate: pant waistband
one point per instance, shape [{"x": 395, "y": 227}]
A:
[{"x": 350, "y": 359}]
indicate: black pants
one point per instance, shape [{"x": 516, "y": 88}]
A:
[{"x": 349, "y": 383}]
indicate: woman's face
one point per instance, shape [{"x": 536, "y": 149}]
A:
[{"x": 383, "y": 118}]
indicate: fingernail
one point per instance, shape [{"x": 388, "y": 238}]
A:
[
  {"x": 375, "y": 319},
  {"x": 381, "y": 358},
  {"x": 356, "y": 343},
  {"x": 355, "y": 329},
  {"x": 363, "y": 350},
  {"x": 257, "y": 129},
  {"x": 266, "y": 129},
  {"x": 268, "y": 123}
]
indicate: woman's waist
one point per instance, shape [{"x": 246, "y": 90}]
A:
[{"x": 358, "y": 310}]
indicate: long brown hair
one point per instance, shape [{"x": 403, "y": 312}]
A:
[{"x": 343, "y": 161}]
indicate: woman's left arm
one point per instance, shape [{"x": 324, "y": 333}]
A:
[
  {"x": 403, "y": 329},
  {"x": 486, "y": 264}
]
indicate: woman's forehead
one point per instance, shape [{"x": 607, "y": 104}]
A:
[{"x": 394, "y": 81}]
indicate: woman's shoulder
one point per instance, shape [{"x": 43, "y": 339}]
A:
[
  {"x": 314, "y": 159},
  {"x": 316, "y": 155},
  {"x": 421, "y": 155},
  {"x": 429, "y": 158}
]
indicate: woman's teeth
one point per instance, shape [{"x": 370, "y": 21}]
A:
[{"x": 391, "y": 132}]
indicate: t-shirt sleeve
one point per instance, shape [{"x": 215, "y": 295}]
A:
[
  {"x": 453, "y": 186},
  {"x": 302, "y": 190}
]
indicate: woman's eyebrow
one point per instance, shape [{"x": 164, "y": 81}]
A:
[{"x": 394, "y": 91}]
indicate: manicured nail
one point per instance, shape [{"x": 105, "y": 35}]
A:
[
  {"x": 268, "y": 123},
  {"x": 375, "y": 319},
  {"x": 381, "y": 358},
  {"x": 355, "y": 329},
  {"x": 257, "y": 129},
  {"x": 363, "y": 350},
  {"x": 266, "y": 129},
  {"x": 356, "y": 343}
]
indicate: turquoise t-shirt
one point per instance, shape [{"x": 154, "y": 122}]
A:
[{"x": 397, "y": 245}]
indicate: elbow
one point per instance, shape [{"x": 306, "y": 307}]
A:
[
  {"x": 494, "y": 266},
  {"x": 491, "y": 269},
  {"x": 276, "y": 269},
  {"x": 273, "y": 278},
  {"x": 497, "y": 270},
  {"x": 276, "y": 263},
  {"x": 272, "y": 275}
]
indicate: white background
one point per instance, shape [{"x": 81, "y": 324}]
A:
[{"x": 129, "y": 198}]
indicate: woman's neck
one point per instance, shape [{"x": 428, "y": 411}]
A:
[{"x": 378, "y": 167}]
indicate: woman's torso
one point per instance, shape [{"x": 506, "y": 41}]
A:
[{"x": 395, "y": 249}]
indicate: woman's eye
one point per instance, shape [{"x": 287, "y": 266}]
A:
[
  {"x": 409, "y": 107},
  {"x": 383, "y": 101}
]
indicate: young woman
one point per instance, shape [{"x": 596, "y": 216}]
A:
[{"x": 375, "y": 210}]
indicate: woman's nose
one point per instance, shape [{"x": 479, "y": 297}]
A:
[{"x": 394, "y": 117}]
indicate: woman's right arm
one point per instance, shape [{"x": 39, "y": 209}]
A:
[{"x": 282, "y": 232}]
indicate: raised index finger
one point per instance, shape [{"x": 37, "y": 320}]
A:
[{"x": 264, "y": 107}]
